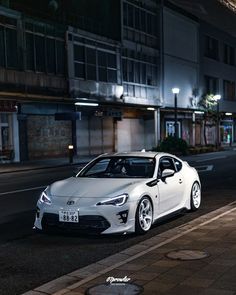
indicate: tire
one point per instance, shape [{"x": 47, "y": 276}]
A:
[
  {"x": 143, "y": 216},
  {"x": 195, "y": 198}
]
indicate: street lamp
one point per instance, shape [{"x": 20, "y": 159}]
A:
[
  {"x": 217, "y": 98},
  {"x": 175, "y": 91}
]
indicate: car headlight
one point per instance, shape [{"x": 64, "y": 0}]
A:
[
  {"x": 44, "y": 198},
  {"x": 117, "y": 201}
]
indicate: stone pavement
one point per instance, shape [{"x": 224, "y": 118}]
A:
[{"x": 146, "y": 266}]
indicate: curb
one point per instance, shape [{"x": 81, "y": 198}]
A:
[{"x": 75, "y": 279}]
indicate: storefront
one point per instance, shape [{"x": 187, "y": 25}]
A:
[
  {"x": 107, "y": 129},
  {"x": 9, "y": 138},
  {"x": 43, "y": 134},
  {"x": 185, "y": 126},
  {"x": 226, "y": 132}
]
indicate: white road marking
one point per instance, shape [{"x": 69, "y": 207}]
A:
[
  {"x": 23, "y": 190},
  {"x": 213, "y": 158}
]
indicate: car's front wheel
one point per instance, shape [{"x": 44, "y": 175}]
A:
[
  {"x": 144, "y": 216},
  {"x": 195, "y": 198}
]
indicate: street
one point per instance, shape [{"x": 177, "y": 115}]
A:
[{"x": 29, "y": 259}]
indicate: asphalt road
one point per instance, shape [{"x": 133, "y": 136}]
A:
[{"x": 29, "y": 259}]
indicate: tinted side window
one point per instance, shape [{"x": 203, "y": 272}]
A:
[
  {"x": 166, "y": 163},
  {"x": 178, "y": 165},
  {"x": 99, "y": 167}
]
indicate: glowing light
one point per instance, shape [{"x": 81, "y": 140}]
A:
[
  {"x": 89, "y": 104},
  {"x": 175, "y": 90},
  {"x": 217, "y": 97},
  {"x": 199, "y": 112}
]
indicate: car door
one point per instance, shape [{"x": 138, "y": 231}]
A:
[{"x": 171, "y": 189}]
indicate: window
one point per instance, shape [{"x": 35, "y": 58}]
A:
[
  {"x": 91, "y": 64},
  {"x": 137, "y": 19},
  {"x": 79, "y": 70},
  {"x": 98, "y": 168},
  {"x": 124, "y": 68},
  {"x": 111, "y": 68},
  {"x": 2, "y": 47},
  {"x": 79, "y": 58},
  {"x": 130, "y": 69},
  {"x": 100, "y": 64},
  {"x": 8, "y": 47},
  {"x": 30, "y": 51},
  {"x": 229, "y": 90},
  {"x": 178, "y": 165},
  {"x": 50, "y": 54},
  {"x": 140, "y": 25},
  {"x": 120, "y": 167},
  {"x": 137, "y": 72},
  {"x": 151, "y": 75},
  {"x": 90, "y": 56},
  {"x": 143, "y": 21},
  {"x": 165, "y": 163},
  {"x": 79, "y": 53},
  {"x": 211, "y": 47},
  {"x": 143, "y": 73},
  {"x": 60, "y": 57},
  {"x": 211, "y": 85},
  {"x": 130, "y": 16},
  {"x": 229, "y": 55},
  {"x": 44, "y": 52},
  {"x": 11, "y": 48},
  {"x": 125, "y": 12},
  {"x": 40, "y": 53}
]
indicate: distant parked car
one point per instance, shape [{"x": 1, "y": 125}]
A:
[{"x": 120, "y": 193}]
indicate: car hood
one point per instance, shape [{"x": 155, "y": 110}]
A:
[{"x": 78, "y": 187}]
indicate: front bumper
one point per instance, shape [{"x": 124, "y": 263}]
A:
[
  {"x": 94, "y": 220},
  {"x": 87, "y": 223}
]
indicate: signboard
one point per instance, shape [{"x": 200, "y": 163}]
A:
[
  {"x": 7, "y": 106},
  {"x": 113, "y": 113},
  {"x": 68, "y": 116}
]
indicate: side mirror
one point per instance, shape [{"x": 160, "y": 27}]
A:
[{"x": 167, "y": 173}]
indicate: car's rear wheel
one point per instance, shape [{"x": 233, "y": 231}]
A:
[
  {"x": 195, "y": 196},
  {"x": 144, "y": 216}
]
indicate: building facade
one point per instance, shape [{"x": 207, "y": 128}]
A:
[
  {"x": 33, "y": 87},
  {"x": 102, "y": 79},
  {"x": 218, "y": 76},
  {"x": 180, "y": 69}
]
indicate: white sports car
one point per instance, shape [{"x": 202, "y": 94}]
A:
[{"x": 120, "y": 193}]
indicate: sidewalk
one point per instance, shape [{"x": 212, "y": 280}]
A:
[
  {"x": 159, "y": 266},
  {"x": 41, "y": 164}
]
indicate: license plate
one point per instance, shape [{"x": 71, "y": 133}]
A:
[{"x": 69, "y": 216}]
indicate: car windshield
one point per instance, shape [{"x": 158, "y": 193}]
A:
[{"x": 120, "y": 167}]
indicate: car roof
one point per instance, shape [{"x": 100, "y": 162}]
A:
[{"x": 141, "y": 154}]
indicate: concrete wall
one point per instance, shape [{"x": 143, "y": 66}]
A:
[
  {"x": 180, "y": 58},
  {"x": 47, "y": 137}
]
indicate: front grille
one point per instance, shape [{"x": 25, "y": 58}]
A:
[{"x": 87, "y": 223}]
